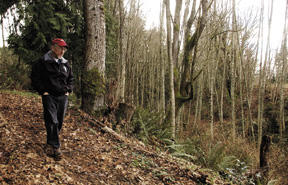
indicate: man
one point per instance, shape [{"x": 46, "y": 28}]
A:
[{"x": 53, "y": 79}]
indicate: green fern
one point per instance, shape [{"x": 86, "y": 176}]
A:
[
  {"x": 227, "y": 162},
  {"x": 147, "y": 126},
  {"x": 215, "y": 156}
]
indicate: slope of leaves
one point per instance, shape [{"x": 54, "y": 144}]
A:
[{"x": 90, "y": 155}]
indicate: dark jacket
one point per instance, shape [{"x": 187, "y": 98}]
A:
[{"x": 49, "y": 76}]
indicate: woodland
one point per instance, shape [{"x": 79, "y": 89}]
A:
[{"x": 201, "y": 89}]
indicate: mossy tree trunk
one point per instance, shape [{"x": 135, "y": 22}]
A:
[
  {"x": 93, "y": 80},
  {"x": 171, "y": 65},
  {"x": 188, "y": 62}
]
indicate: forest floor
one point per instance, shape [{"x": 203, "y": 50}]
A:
[{"x": 90, "y": 155}]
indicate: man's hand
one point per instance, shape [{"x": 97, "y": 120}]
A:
[{"x": 45, "y": 93}]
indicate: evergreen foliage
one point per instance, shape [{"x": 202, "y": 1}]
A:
[
  {"x": 112, "y": 42},
  {"x": 38, "y": 22},
  {"x": 41, "y": 21},
  {"x": 6, "y": 4},
  {"x": 147, "y": 127}
]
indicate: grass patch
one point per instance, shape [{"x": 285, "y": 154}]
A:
[{"x": 20, "y": 93}]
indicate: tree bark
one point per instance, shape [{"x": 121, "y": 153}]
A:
[
  {"x": 162, "y": 94},
  {"x": 233, "y": 63},
  {"x": 262, "y": 80},
  {"x": 176, "y": 31},
  {"x": 264, "y": 151},
  {"x": 171, "y": 65},
  {"x": 94, "y": 56},
  {"x": 2, "y": 28},
  {"x": 283, "y": 73},
  {"x": 190, "y": 42},
  {"x": 120, "y": 60}
]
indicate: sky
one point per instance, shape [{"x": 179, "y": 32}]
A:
[{"x": 151, "y": 11}]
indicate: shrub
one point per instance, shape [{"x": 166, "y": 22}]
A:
[{"x": 14, "y": 74}]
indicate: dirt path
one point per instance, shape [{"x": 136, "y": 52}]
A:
[{"x": 91, "y": 156}]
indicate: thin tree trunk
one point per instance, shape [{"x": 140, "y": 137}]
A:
[
  {"x": 122, "y": 73},
  {"x": 233, "y": 63},
  {"x": 137, "y": 86},
  {"x": 198, "y": 108},
  {"x": 143, "y": 84},
  {"x": 283, "y": 73},
  {"x": 211, "y": 80},
  {"x": 263, "y": 79},
  {"x": 240, "y": 67},
  {"x": 162, "y": 98},
  {"x": 260, "y": 114},
  {"x": 223, "y": 82},
  {"x": 170, "y": 59},
  {"x": 176, "y": 31},
  {"x": 2, "y": 28},
  {"x": 125, "y": 68}
]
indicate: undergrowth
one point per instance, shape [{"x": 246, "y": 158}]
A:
[
  {"x": 14, "y": 74},
  {"x": 148, "y": 127},
  {"x": 21, "y": 93}
]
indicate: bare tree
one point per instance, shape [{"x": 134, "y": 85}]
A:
[
  {"x": 176, "y": 31},
  {"x": 232, "y": 67},
  {"x": 171, "y": 66},
  {"x": 190, "y": 42},
  {"x": 162, "y": 67},
  {"x": 122, "y": 73},
  {"x": 282, "y": 75},
  {"x": 262, "y": 76}
]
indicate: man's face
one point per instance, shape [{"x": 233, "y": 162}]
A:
[{"x": 58, "y": 50}]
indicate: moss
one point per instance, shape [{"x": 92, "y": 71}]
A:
[
  {"x": 176, "y": 27},
  {"x": 93, "y": 83},
  {"x": 176, "y": 73}
]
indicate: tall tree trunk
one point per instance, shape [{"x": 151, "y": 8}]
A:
[
  {"x": 121, "y": 61},
  {"x": 223, "y": 80},
  {"x": 240, "y": 67},
  {"x": 162, "y": 95},
  {"x": 190, "y": 42},
  {"x": 2, "y": 29},
  {"x": 198, "y": 107},
  {"x": 171, "y": 65},
  {"x": 137, "y": 85},
  {"x": 233, "y": 63},
  {"x": 260, "y": 86},
  {"x": 283, "y": 74},
  {"x": 176, "y": 31},
  {"x": 211, "y": 84},
  {"x": 263, "y": 77},
  {"x": 184, "y": 23},
  {"x": 93, "y": 95}
]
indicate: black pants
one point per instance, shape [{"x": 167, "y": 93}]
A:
[{"x": 54, "y": 113}]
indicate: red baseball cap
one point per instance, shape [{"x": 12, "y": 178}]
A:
[{"x": 59, "y": 42}]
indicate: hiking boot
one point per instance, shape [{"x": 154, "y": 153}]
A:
[
  {"x": 57, "y": 153},
  {"x": 49, "y": 150}
]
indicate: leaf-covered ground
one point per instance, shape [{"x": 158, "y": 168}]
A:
[{"x": 90, "y": 155}]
